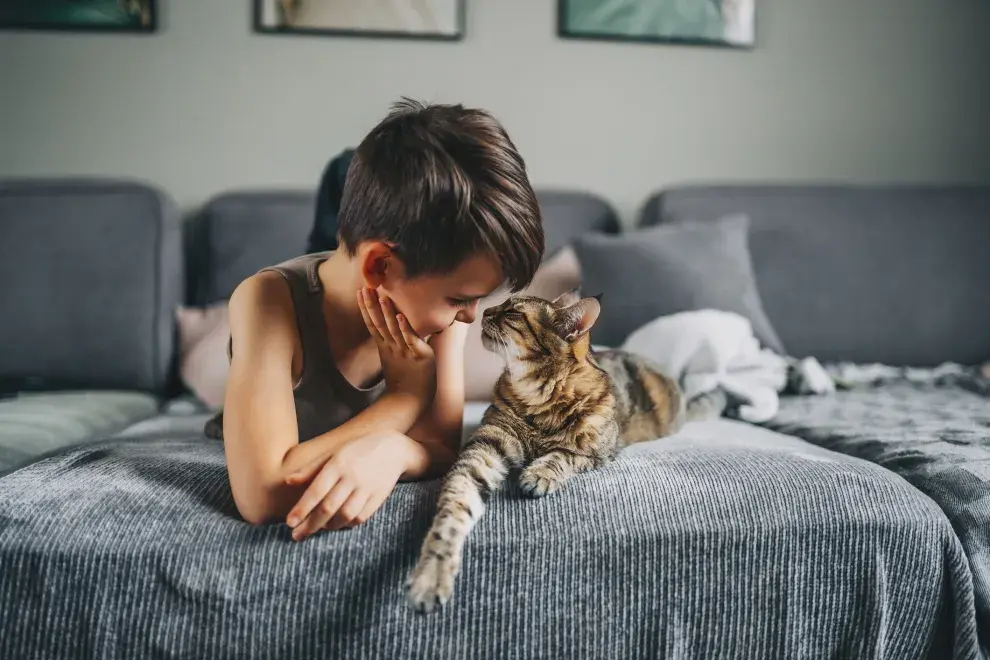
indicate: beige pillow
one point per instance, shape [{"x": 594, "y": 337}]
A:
[
  {"x": 203, "y": 361},
  {"x": 558, "y": 274}
]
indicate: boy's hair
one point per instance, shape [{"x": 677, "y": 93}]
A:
[{"x": 443, "y": 182}]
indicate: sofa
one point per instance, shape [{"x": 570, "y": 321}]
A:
[{"x": 852, "y": 524}]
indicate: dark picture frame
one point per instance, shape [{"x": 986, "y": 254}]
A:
[
  {"x": 98, "y": 16},
  {"x": 259, "y": 26},
  {"x": 567, "y": 30}
]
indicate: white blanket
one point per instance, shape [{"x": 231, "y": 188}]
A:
[{"x": 709, "y": 349}]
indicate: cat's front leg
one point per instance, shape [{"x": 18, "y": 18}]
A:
[
  {"x": 586, "y": 450},
  {"x": 549, "y": 472},
  {"x": 479, "y": 470}
]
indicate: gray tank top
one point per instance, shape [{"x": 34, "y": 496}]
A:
[{"x": 324, "y": 398}]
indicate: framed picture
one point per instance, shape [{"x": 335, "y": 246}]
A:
[
  {"x": 79, "y": 15},
  {"x": 728, "y": 23},
  {"x": 409, "y": 19}
]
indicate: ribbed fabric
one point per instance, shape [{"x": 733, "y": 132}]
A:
[
  {"x": 726, "y": 541},
  {"x": 936, "y": 436}
]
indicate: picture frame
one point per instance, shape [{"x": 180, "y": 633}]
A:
[
  {"x": 715, "y": 23},
  {"x": 102, "y": 16},
  {"x": 401, "y": 19}
]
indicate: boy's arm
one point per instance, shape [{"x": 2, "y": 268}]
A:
[
  {"x": 260, "y": 436},
  {"x": 440, "y": 427}
]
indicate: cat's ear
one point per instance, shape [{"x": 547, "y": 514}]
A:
[
  {"x": 568, "y": 298},
  {"x": 575, "y": 321}
]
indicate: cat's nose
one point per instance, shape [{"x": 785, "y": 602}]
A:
[{"x": 488, "y": 313}]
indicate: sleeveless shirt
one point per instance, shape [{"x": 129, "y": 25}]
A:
[{"x": 324, "y": 399}]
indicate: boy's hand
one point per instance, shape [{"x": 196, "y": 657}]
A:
[
  {"x": 349, "y": 487},
  {"x": 408, "y": 362}
]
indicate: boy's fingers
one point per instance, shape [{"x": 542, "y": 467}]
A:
[
  {"x": 324, "y": 511},
  {"x": 348, "y": 512},
  {"x": 313, "y": 495},
  {"x": 305, "y": 473},
  {"x": 362, "y": 305},
  {"x": 374, "y": 503},
  {"x": 388, "y": 309},
  {"x": 375, "y": 312},
  {"x": 409, "y": 336}
]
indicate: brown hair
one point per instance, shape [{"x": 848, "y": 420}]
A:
[{"x": 443, "y": 182}]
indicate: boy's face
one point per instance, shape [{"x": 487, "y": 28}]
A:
[{"x": 433, "y": 302}]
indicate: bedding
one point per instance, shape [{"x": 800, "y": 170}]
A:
[
  {"x": 932, "y": 429},
  {"x": 724, "y": 540},
  {"x": 709, "y": 349}
]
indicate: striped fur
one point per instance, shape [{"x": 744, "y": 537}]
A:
[{"x": 558, "y": 409}]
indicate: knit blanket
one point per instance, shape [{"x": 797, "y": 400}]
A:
[
  {"x": 930, "y": 426},
  {"x": 725, "y": 540}
]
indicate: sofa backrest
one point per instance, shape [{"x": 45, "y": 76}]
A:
[
  {"x": 238, "y": 233},
  {"x": 891, "y": 274},
  {"x": 91, "y": 274}
]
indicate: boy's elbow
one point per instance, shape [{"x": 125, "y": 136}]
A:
[
  {"x": 255, "y": 511},
  {"x": 254, "y": 515},
  {"x": 258, "y": 506}
]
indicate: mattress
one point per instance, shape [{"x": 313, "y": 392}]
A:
[{"x": 725, "y": 540}]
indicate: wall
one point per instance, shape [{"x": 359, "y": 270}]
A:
[{"x": 866, "y": 90}]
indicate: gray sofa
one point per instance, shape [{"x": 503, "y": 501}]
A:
[{"x": 833, "y": 531}]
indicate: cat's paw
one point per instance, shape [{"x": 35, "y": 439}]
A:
[
  {"x": 537, "y": 481},
  {"x": 431, "y": 583}
]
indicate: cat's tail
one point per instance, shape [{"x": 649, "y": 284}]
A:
[
  {"x": 706, "y": 406},
  {"x": 480, "y": 469}
]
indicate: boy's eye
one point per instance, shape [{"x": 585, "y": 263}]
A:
[{"x": 461, "y": 303}]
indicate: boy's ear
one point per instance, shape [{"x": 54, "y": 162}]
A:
[
  {"x": 376, "y": 260},
  {"x": 568, "y": 298},
  {"x": 575, "y": 321}
]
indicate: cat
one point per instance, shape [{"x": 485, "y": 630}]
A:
[{"x": 558, "y": 409}]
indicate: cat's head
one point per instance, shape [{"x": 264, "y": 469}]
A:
[{"x": 526, "y": 328}]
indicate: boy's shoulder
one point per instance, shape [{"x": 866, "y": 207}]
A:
[
  {"x": 262, "y": 297},
  {"x": 272, "y": 285}
]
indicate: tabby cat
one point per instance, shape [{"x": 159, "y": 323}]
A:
[{"x": 558, "y": 409}]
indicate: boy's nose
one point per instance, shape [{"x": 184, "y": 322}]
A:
[{"x": 469, "y": 314}]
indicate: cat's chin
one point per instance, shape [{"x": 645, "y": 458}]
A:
[
  {"x": 495, "y": 346},
  {"x": 488, "y": 342}
]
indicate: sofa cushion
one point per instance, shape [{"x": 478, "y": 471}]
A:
[
  {"x": 92, "y": 272},
  {"x": 659, "y": 271},
  {"x": 891, "y": 274},
  {"x": 33, "y": 425},
  {"x": 239, "y": 233}
]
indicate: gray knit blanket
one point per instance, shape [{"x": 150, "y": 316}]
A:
[
  {"x": 725, "y": 541},
  {"x": 931, "y": 427}
]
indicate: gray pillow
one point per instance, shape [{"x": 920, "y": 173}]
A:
[{"x": 647, "y": 273}]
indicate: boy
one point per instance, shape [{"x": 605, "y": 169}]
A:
[{"x": 346, "y": 372}]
